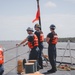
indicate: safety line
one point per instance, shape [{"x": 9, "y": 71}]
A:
[
  {"x": 16, "y": 57},
  {"x": 60, "y": 48}
]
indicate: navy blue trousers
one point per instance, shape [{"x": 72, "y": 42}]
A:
[
  {"x": 33, "y": 54},
  {"x": 40, "y": 55},
  {"x": 52, "y": 56},
  {"x": 1, "y": 69}
]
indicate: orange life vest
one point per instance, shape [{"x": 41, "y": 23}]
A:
[
  {"x": 41, "y": 37},
  {"x": 54, "y": 39},
  {"x": 34, "y": 42},
  {"x": 1, "y": 56}
]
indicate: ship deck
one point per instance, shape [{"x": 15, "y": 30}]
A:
[
  {"x": 58, "y": 72},
  {"x": 15, "y": 54}
]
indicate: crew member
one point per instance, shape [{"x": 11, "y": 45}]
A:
[
  {"x": 32, "y": 42},
  {"x": 40, "y": 36},
  {"x": 1, "y": 61},
  {"x": 52, "y": 39}
]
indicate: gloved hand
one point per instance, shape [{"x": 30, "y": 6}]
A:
[{"x": 18, "y": 44}]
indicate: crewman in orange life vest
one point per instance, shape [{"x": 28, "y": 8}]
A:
[
  {"x": 1, "y": 61},
  {"x": 32, "y": 42},
  {"x": 40, "y": 36},
  {"x": 52, "y": 39}
]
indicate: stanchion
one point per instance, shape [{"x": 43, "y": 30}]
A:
[
  {"x": 35, "y": 64},
  {"x": 70, "y": 56},
  {"x": 29, "y": 67}
]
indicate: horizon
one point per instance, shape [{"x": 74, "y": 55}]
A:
[{"x": 44, "y": 38}]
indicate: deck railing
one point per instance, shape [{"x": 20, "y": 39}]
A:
[
  {"x": 9, "y": 65},
  {"x": 16, "y": 56}
]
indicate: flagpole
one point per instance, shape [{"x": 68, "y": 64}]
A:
[{"x": 39, "y": 16}]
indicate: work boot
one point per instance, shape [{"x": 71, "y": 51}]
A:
[
  {"x": 38, "y": 67},
  {"x": 52, "y": 71},
  {"x": 41, "y": 67}
]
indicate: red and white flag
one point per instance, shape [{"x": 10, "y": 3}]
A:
[{"x": 37, "y": 15}]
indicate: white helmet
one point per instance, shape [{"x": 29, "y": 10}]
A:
[{"x": 30, "y": 29}]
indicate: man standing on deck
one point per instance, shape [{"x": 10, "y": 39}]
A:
[
  {"x": 40, "y": 36},
  {"x": 52, "y": 39},
  {"x": 32, "y": 42},
  {"x": 1, "y": 61}
]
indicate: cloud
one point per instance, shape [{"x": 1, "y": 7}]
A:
[
  {"x": 50, "y": 4},
  {"x": 72, "y": 1},
  {"x": 14, "y": 27},
  {"x": 17, "y": 25},
  {"x": 64, "y": 24}
]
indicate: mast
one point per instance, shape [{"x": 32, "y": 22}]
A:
[{"x": 38, "y": 7}]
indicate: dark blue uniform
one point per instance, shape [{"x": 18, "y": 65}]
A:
[
  {"x": 34, "y": 51},
  {"x": 37, "y": 33},
  {"x": 52, "y": 51}
]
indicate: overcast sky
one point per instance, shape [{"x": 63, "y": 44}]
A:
[{"x": 17, "y": 15}]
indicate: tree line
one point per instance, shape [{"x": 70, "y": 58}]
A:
[{"x": 72, "y": 39}]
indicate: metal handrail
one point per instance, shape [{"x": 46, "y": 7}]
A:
[
  {"x": 16, "y": 57},
  {"x": 11, "y": 48},
  {"x": 60, "y": 48},
  {"x": 23, "y": 54},
  {"x": 13, "y": 57}
]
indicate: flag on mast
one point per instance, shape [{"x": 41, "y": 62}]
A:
[{"x": 37, "y": 15}]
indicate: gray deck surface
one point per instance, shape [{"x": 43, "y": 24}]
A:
[
  {"x": 17, "y": 51},
  {"x": 58, "y": 72}
]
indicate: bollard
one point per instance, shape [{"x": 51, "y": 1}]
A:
[
  {"x": 35, "y": 64},
  {"x": 29, "y": 67}
]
